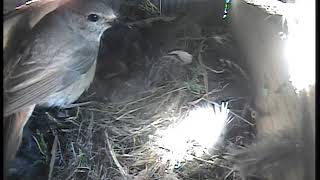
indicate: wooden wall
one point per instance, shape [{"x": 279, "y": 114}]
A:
[
  {"x": 257, "y": 34},
  {"x": 280, "y": 109}
]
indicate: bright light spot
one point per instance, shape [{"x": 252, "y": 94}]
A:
[
  {"x": 194, "y": 135},
  {"x": 300, "y": 43}
]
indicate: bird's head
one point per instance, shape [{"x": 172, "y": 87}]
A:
[{"x": 90, "y": 18}]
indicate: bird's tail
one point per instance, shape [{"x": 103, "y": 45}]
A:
[{"x": 12, "y": 134}]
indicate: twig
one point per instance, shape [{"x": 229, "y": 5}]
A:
[
  {"x": 90, "y": 132},
  {"x": 206, "y": 67},
  {"x": 79, "y": 131},
  {"x": 213, "y": 70},
  {"x": 73, "y": 151},
  {"x": 111, "y": 152},
  {"x": 243, "y": 119},
  {"x": 160, "y": 7},
  {"x": 211, "y": 162},
  {"x": 218, "y": 90},
  {"x": 70, "y": 176},
  {"x": 148, "y": 6},
  {"x": 128, "y": 112},
  {"x": 133, "y": 102},
  {"x": 204, "y": 74},
  {"x": 229, "y": 173},
  {"x": 38, "y": 144},
  {"x": 52, "y": 118},
  {"x": 209, "y": 93},
  {"x": 61, "y": 153},
  {"x": 53, "y": 156}
]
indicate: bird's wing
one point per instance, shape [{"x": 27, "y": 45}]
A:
[
  {"x": 22, "y": 19},
  {"x": 41, "y": 71}
]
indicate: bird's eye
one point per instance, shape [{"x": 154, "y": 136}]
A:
[{"x": 93, "y": 17}]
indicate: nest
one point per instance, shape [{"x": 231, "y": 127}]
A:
[{"x": 110, "y": 140}]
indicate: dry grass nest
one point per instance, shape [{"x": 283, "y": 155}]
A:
[{"x": 104, "y": 140}]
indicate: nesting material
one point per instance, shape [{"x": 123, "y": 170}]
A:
[{"x": 132, "y": 133}]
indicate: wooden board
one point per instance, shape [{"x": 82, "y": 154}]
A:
[{"x": 281, "y": 109}]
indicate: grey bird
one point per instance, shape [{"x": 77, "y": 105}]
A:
[{"x": 54, "y": 65}]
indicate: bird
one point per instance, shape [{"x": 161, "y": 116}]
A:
[
  {"x": 25, "y": 17},
  {"x": 55, "y": 64}
]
